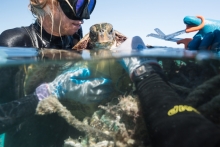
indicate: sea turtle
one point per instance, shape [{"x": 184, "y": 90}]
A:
[
  {"x": 100, "y": 40},
  {"x": 101, "y": 36}
]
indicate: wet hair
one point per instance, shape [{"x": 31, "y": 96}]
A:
[
  {"x": 37, "y": 7},
  {"x": 41, "y": 8}
]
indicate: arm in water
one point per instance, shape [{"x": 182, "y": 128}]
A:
[
  {"x": 74, "y": 84},
  {"x": 170, "y": 121}
]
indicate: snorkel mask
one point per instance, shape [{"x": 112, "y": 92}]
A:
[{"x": 77, "y": 9}]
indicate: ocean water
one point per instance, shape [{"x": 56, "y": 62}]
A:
[{"x": 22, "y": 70}]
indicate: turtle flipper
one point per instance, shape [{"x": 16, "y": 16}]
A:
[
  {"x": 119, "y": 37},
  {"x": 83, "y": 43}
]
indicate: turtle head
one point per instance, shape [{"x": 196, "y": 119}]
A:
[{"x": 102, "y": 36}]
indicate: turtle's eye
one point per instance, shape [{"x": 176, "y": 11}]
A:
[
  {"x": 93, "y": 36},
  {"x": 111, "y": 31}
]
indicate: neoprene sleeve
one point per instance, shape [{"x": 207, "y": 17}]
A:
[
  {"x": 17, "y": 111},
  {"x": 170, "y": 121}
]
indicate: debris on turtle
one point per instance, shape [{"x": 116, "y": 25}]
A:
[
  {"x": 119, "y": 123},
  {"x": 121, "y": 119}
]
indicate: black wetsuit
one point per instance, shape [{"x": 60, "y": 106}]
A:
[
  {"x": 15, "y": 110},
  {"x": 31, "y": 37},
  {"x": 170, "y": 121}
]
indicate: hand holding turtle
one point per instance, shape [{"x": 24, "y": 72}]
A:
[
  {"x": 78, "y": 85},
  {"x": 131, "y": 64},
  {"x": 210, "y": 41}
]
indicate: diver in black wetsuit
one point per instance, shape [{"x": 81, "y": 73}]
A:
[
  {"x": 58, "y": 26},
  {"x": 36, "y": 36},
  {"x": 29, "y": 37}
]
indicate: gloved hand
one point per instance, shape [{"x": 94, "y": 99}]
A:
[
  {"x": 76, "y": 84},
  {"x": 210, "y": 41},
  {"x": 207, "y": 37},
  {"x": 209, "y": 25},
  {"x": 130, "y": 64}
]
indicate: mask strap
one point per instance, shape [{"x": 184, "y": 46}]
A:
[{"x": 70, "y": 6}]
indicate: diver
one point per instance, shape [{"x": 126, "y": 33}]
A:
[{"x": 58, "y": 26}]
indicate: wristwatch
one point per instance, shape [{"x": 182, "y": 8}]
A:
[{"x": 144, "y": 71}]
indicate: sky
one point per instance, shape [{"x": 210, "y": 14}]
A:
[{"x": 130, "y": 17}]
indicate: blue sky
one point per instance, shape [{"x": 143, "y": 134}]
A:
[{"x": 130, "y": 17}]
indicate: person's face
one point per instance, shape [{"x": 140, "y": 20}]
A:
[{"x": 62, "y": 25}]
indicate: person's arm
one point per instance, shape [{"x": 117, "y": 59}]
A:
[
  {"x": 170, "y": 121},
  {"x": 17, "y": 111}
]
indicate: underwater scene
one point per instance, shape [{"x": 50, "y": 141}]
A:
[
  {"x": 93, "y": 102},
  {"x": 73, "y": 75}
]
